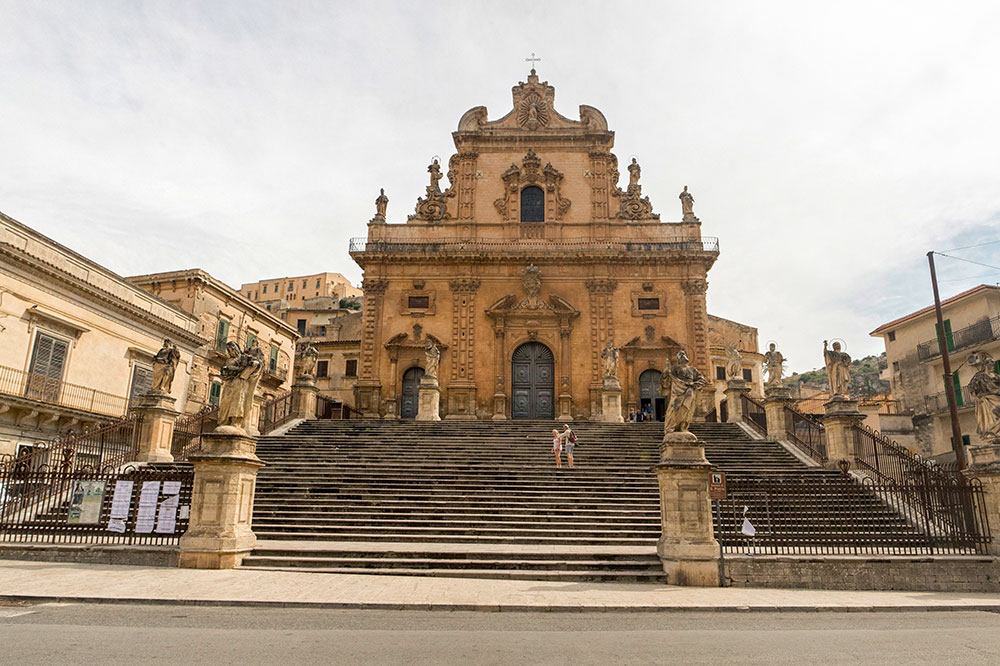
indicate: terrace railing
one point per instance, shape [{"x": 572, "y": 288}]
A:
[
  {"x": 754, "y": 414},
  {"x": 57, "y": 392},
  {"x": 275, "y": 412},
  {"x": 984, "y": 330},
  {"x": 807, "y": 433},
  {"x": 188, "y": 431}
]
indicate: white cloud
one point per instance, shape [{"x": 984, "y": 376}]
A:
[{"x": 829, "y": 146}]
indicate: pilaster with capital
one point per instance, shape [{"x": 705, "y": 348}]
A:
[
  {"x": 499, "y": 371},
  {"x": 462, "y": 385},
  {"x": 602, "y": 330},
  {"x": 367, "y": 391}
]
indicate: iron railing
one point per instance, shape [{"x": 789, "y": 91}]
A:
[
  {"x": 275, "y": 412},
  {"x": 129, "y": 506},
  {"x": 188, "y": 431},
  {"x": 806, "y": 433},
  {"x": 530, "y": 246},
  {"x": 888, "y": 460},
  {"x": 984, "y": 330},
  {"x": 938, "y": 402},
  {"x": 328, "y": 408},
  {"x": 867, "y": 518},
  {"x": 57, "y": 392},
  {"x": 754, "y": 413}
]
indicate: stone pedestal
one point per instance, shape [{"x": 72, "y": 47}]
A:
[
  {"x": 304, "y": 392},
  {"x": 429, "y": 400},
  {"x": 776, "y": 398},
  {"x": 842, "y": 414},
  {"x": 735, "y": 390},
  {"x": 704, "y": 403},
  {"x": 499, "y": 407},
  {"x": 687, "y": 545},
  {"x": 156, "y": 434},
  {"x": 565, "y": 408},
  {"x": 611, "y": 401},
  {"x": 219, "y": 534},
  {"x": 985, "y": 466},
  {"x": 461, "y": 402}
]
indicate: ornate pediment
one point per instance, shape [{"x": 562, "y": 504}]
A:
[
  {"x": 531, "y": 172},
  {"x": 652, "y": 342},
  {"x": 532, "y": 304},
  {"x": 415, "y": 340}
]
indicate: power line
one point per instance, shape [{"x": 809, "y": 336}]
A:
[
  {"x": 970, "y": 261},
  {"x": 967, "y": 247},
  {"x": 969, "y": 277}
]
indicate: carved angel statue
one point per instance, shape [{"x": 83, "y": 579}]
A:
[
  {"x": 432, "y": 360},
  {"x": 239, "y": 377},
  {"x": 164, "y": 367},
  {"x": 734, "y": 362},
  {"x": 687, "y": 203},
  {"x": 307, "y": 360},
  {"x": 685, "y": 380},
  {"x": 774, "y": 362},
  {"x": 380, "y": 205},
  {"x": 610, "y": 356},
  {"x": 838, "y": 369},
  {"x": 984, "y": 387}
]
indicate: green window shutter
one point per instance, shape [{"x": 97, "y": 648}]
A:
[
  {"x": 996, "y": 367},
  {"x": 214, "y": 393},
  {"x": 949, "y": 339},
  {"x": 957, "y": 383},
  {"x": 251, "y": 340},
  {"x": 273, "y": 366},
  {"x": 222, "y": 334}
]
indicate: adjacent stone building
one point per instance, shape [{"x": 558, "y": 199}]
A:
[
  {"x": 523, "y": 269},
  {"x": 224, "y": 315},
  {"x": 295, "y": 290},
  {"x": 916, "y": 370},
  {"x": 76, "y": 340},
  {"x": 723, "y": 333}
]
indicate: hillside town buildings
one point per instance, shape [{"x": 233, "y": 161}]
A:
[{"x": 280, "y": 293}]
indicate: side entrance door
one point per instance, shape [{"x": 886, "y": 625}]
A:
[
  {"x": 649, "y": 394},
  {"x": 409, "y": 402},
  {"x": 533, "y": 382}
]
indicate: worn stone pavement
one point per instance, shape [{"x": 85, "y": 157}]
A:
[{"x": 53, "y": 581}]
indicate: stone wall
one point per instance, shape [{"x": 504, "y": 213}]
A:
[
  {"x": 928, "y": 574},
  {"x": 145, "y": 556}
]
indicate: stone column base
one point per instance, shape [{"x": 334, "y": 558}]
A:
[
  {"x": 611, "y": 401},
  {"x": 565, "y": 408},
  {"x": 842, "y": 415},
  {"x": 219, "y": 534},
  {"x": 429, "y": 400},
  {"x": 156, "y": 433},
  {"x": 776, "y": 398},
  {"x": 687, "y": 545},
  {"x": 499, "y": 407},
  {"x": 304, "y": 392},
  {"x": 735, "y": 390}
]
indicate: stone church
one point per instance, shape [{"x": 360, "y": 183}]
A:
[{"x": 523, "y": 269}]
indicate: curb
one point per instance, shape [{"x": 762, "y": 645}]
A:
[{"x": 495, "y": 608}]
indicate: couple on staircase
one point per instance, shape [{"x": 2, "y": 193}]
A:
[{"x": 564, "y": 440}]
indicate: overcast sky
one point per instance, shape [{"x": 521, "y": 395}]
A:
[{"x": 828, "y": 145}]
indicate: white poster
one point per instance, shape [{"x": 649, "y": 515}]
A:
[
  {"x": 148, "y": 498},
  {"x": 166, "y": 520},
  {"x": 121, "y": 505}
]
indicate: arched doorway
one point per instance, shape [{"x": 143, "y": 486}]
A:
[
  {"x": 649, "y": 394},
  {"x": 533, "y": 382},
  {"x": 409, "y": 401}
]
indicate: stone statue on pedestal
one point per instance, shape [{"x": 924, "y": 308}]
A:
[
  {"x": 685, "y": 380},
  {"x": 432, "y": 360},
  {"x": 380, "y": 204},
  {"x": 239, "y": 377},
  {"x": 984, "y": 387},
  {"x": 734, "y": 362},
  {"x": 775, "y": 366},
  {"x": 610, "y": 356},
  {"x": 687, "y": 203},
  {"x": 164, "y": 367},
  {"x": 838, "y": 369},
  {"x": 307, "y": 362}
]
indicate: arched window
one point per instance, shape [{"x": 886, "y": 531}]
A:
[{"x": 532, "y": 204}]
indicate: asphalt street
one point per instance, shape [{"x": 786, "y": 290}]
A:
[{"x": 183, "y": 635}]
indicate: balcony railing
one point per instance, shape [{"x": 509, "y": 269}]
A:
[
  {"x": 985, "y": 330},
  {"x": 938, "y": 402},
  {"x": 529, "y": 246},
  {"x": 57, "y": 392}
]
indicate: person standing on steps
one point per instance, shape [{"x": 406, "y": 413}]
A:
[
  {"x": 568, "y": 442},
  {"x": 557, "y": 447}
]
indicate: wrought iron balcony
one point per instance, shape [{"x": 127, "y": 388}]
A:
[
  {"x": 938, "y": 402},
  {"x": 30, "y": 386},
  {"x": 532, "y": 246},
  {"x": 985, "y": 330}
]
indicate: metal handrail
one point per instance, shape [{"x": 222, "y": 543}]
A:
[
  {"x": 33, "y": 386},
  {"x": 807, "y": 433},
  {"x": 754, "y": 413},
  {"x": 983, "y": 330},
  {"x": 275, "y": 412}
]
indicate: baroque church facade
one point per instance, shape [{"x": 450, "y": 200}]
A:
[{"x": 530, "y": 263}]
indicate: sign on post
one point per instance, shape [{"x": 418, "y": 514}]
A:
[{"x": 717, "y": 485}]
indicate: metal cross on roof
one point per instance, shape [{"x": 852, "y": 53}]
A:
[{"x": 532, "y": 60}]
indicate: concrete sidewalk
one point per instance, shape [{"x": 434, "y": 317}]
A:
[{"x": 48, "y": 581}]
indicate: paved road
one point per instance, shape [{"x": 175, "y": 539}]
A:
[{"x": 179, "y": 635}]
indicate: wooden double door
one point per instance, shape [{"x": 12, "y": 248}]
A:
[{"x": 533, "y": 382}]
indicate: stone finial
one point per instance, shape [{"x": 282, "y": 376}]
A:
[{"x": 164, "y": 367}]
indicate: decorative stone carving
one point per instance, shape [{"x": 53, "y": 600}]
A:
[
  {"x": 432, "y": 360},
  {"x": 693, "y": 287},
  {"x": 532, "y": 113},
  {"x": 380, "y": 204},
  {"x": 374, "y": 286},
  {"x": 685, "y": 381},
  {"x": 610, "y": 357},
  {"x": 634, "y": 206},
  {"x": 239, "y": 377},
  {"x": 531, "y": 172},
  {"x": 734, "y": 362},
  {"x": 464, "y": 286},
  {"x": 531, "y": 280},
  {"x": 601, "y": 285},
  {"x": 774, "y": 362},
  {"x": 307, "y": 360},
  {"x": 838, "y": 369},
  {"x": 687, "y": 204},
  {"x": 984, "y": 387},
  {"x": 164, "y": 367},
  {"x": 433, "y": 208}
]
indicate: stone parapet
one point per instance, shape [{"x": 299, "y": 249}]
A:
[{"x": 776, "y": 400}]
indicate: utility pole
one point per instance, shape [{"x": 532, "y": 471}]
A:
[{"x": 949, "y": 384}]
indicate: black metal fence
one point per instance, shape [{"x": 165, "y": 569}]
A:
[
  {"x": 188, "y": 431},
  {"x": 754, "y": 414},
  {"x": 275, "y": 412},
  {"x": 807, "y": 433},
  {"x": 129, "y": 506},
  {"x": 841, "y": 516}
]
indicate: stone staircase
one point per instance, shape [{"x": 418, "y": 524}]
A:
[{"x": 484, "y": 499}]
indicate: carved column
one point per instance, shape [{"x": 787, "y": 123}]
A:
[
  {"x": 462, "y": 385},
  {"x": 367, "y": 392},
  {"x": 697, "y": 314},
  {"x": 499, "y": 372},
  {"x": 566, "y": 378},
  {"x": 602, "y": 329},
  {"x": 391, "y": 403},
  {"x": 600, "y": 184},
  {"x": 462, "y": 170}
]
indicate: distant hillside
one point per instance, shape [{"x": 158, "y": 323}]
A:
[{"x": 865, "y": 380}]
